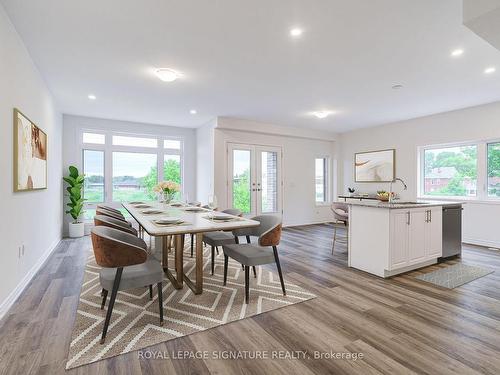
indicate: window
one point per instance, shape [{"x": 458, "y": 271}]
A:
[
  {"x": 493, "y": 150},
  {"x": 93, "y": 169},
  {"x": 134, "y": 175},
  {"x": 269, "y": 176},
  {"x": 172, "y": 144},
  {"x": 450, "y": 171},
  {"x": 172, "y": 169},
  {"x": 321, "y": 175},
  {"x": 119, "y": 140},
  {"x": 94, "y": 138}
]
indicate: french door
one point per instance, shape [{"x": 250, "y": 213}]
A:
[{"x": 254, "y": 179}]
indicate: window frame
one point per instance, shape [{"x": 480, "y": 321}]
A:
[
  {"x": 109, "y": 148},
  {"x": 482, "y": 172},
  {"x": 326, "y": 181}
]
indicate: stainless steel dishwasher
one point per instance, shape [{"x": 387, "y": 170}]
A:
[{"x": 452, "y": 231}]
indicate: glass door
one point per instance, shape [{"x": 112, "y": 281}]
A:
[{"x": 255, "y": 179}]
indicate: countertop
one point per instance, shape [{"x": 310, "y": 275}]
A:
[{"x": 393, "y": 206}]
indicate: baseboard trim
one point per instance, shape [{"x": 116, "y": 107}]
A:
[
  {"x": 14, "y": 295},
  {"x": 310, "y": 223},
  {"x": 480, "y": 242}
]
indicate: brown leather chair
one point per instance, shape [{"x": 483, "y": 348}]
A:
[
  {"x": 114, "y": 215},
  {"x": 251, "y": 255},
  {"x": 102, "y": 220},
  {"x": 125, "y": 265},
  {"x": 109, "y": 208}
]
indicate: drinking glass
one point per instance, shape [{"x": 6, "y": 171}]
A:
[{"x": 212, "y": 202}]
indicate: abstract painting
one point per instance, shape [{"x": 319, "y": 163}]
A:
[
  {"x": 374, "y": 166},
  {"x": 30, "y": 154}
]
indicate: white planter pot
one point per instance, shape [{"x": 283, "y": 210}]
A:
[{"x": 76, "y": 229}]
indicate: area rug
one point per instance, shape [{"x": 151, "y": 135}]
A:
[
  {"x": 455, "y": 275},
  {"x": 135, "y": 320}
]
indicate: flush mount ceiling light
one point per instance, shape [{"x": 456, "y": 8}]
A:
[
  {"x": 92, "y": 97},
  {"x": 322, "y": 114},
  {"x": 397, "y": 87},
  {"x": 193, "y": 112},
  {"x": 167, "y": 75},
  {"x": 296, "y": 32},
  {"x": 490, "y": 70},
  {"x": 457, "y": 52}
]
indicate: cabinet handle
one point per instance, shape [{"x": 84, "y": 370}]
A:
[
  {"x": 427, "y": 216},
  {"x": 408, "y": 220},
  {"x": 430, "y": 216}
]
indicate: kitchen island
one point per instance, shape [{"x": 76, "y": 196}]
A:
[{"x": 386, "y": 239}]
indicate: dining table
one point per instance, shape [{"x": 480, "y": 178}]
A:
[{"x": 164, "y": 221}]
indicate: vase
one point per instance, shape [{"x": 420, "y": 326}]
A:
[{"x": 168, "y": 197}]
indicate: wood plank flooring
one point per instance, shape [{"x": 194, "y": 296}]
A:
[{"x": 401, "y": 325}]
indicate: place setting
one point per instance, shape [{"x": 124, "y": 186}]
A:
[{"x": 169, "y": 221}]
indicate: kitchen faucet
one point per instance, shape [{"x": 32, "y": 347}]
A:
[{"x": 390, "y": 188}]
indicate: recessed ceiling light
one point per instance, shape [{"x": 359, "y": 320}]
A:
[
  {"x": 397, "y": 87},
  {"x": 92, "y": 97},
  {"x": 322, "y": 114},
  {"x": 167, "y": 75},
  {"x": 490, "y": 70},
  {"x": 457, "y": 52},
  {"x": 193, "y": 112},
  {"x": 296, "y": 32}
]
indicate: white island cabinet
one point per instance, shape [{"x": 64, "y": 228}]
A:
[{"x": 388, "y": 239}]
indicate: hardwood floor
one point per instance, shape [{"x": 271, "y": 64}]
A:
[{"x": 401, "y": 325}]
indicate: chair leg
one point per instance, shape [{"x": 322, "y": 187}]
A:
[
  {"x": 102, "y": 291},
  {"x": 334, "y": 237},
  {"x": 160, "y": 301},
  {"x": 213, "y": 259},
  {"x": 248, "y": 239},
  {"x": 114, "y": 292},
  {"x": 217, "y": 249},
  {"x": 226, "y": 259},
  {"x": 151, "y": 292},
  {"x": 104, "y": 296},
  {"x": 192, "y": 244},
  {"x": 247, "y": 282},
  {"x": 254, "y": 272},
  {"x": 277, "y": 260}
]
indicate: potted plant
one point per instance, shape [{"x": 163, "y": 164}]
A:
[{"x": 75, "y": 181}]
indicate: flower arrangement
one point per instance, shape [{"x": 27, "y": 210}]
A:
[{"x": 168, "y": 189}]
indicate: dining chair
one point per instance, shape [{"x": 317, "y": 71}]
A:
[
  {"x": 114, "y": 215},
  {"x": 269, "y": 235},
  {"x": 106, "y": 221},
  {"x": 220, "y": 238},
  {"x": 125, "y": 265},
  {"x": 340, "y": 213},
  {"x": 109, "y": 208}
]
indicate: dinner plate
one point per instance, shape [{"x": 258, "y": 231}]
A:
[
  {"x": 168, "y": 220},
  {"x": 220, "y": 217},
  {"x": 194, "y": 209},
  {"x": 143, "y": 206},
  {"x": 152, "y": 212},
  {"x": 136, "y": 202},
  {"x": 176, "y": 204}
]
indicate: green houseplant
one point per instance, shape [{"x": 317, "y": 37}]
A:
[{"x": 75, "y": 182}]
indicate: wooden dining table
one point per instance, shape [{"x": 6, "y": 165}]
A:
[{"x": 191, "y": 222}]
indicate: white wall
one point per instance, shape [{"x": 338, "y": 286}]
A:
[
  {"x": 71, "y": 136},
  {"x": 32, "y": 219},
  {"x": 205, "y": 161},
  {"x": 299, "y": 206},
  {"x": 471, "y": 124}
]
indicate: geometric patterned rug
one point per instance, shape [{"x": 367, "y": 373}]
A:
[
  {"x": 452, "y": 276},
  {"x": 135, "y": 320}
]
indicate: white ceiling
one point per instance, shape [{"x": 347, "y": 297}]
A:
[{"x": 240, "y": 61}]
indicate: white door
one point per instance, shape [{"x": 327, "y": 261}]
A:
[
  {"x": 417, "y": 227},
  {"x": 433, "y": 233},
  {"x": 399, "y": 239},
  {"x": 255, "y": 184}
]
